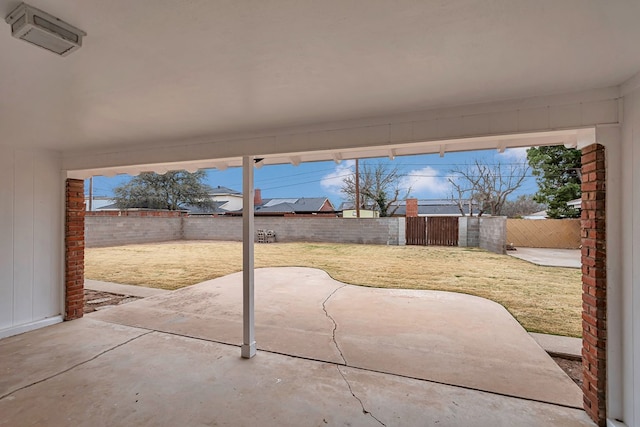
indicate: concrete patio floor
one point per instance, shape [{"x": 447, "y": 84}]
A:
[
  {"x": 331, "y": 354},
  {"x": 570, "y": 258}
]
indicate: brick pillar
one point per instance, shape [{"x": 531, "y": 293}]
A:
[
  {"x": 594, "y": 283},
  {"x": 412, "y": 208},
  {"x": 74, "y": 249}
]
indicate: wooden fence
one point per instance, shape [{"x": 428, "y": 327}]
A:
[
  {"x": 416, "y": 230},
  {"x": 433, "y": 231},
  {"x": 544, "y": 233},
  {"x": 442, "y": 231}
]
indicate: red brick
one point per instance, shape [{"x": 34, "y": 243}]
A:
[
  {"x": 594, "y": 281},
  {"x": 74, "y": 249}
]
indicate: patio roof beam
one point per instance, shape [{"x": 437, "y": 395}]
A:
[{"x": 248, "y": 349}]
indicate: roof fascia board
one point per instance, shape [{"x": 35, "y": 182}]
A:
[{"x": 495, "y": 120}]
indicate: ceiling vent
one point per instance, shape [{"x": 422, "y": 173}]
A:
[{"x": 41, "y": 29}]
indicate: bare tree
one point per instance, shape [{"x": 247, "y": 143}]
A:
[
  {"x": 379, "y": 188},
  {"x": 521, "y": 206},
  {"x": 486, "y": 185}
]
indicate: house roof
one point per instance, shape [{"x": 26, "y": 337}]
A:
[
  {"x": 425, "y": 207},
  {"x": 224, "y": 191},
  {"x": 291, "y": 205},
  {"x": 215, "y": 208}
]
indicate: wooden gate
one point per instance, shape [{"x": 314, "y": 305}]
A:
[
  {"x": 442, "y": 231},
  {"x": 416, "y": 230}
]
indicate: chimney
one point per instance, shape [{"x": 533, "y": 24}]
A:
[
  {"x": 257, "y": 197},
  {"x": 412, "y": 208}
]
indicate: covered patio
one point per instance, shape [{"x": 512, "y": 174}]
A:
[
  {"x": 212, "y": 84},
  {"x": 329, "y": 354}
]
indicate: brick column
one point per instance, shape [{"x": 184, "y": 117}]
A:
[
  {"x": 594, "y": 283},
  {"x": 74, "y": 249},
  {"x": 412, "y": 208}
]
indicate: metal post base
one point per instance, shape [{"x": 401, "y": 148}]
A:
[{"x": 248, "y": 350}]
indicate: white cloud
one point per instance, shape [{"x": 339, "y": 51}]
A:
[
  {"x": 425, "y": 182},
  {"x": 517, "y": 154},
  {"x": 332, "y": 182}
]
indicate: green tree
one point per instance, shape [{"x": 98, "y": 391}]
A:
[
  {"x": 557, "y": 171},
  {"x": 171, "y": 191}
]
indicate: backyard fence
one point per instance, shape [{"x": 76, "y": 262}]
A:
[
  {"x": 416, "y": 228},
  {"x": 111, "y": 229},
  {"x": 544, "y": 233},
  {"x": 442, "y": 231}
]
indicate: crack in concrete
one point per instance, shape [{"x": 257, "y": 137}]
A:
[
  {"x": 364, "y": 410},
  {"x": 74, "y": 366},
  {"x": 335, "y": 325}
]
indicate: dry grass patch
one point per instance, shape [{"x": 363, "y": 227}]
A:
[{"x": 543, "y": 299}]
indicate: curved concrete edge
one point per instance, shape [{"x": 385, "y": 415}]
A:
[
  {"x": 121, "y": 289},
  {"x": 447, "y": 337}
]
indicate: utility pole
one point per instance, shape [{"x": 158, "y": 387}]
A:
[{"x": 357, "y": 190}]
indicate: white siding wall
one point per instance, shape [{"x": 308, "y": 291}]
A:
[
  {"x": 31, "y": 245},
  {"x": 630, "y": 237}
]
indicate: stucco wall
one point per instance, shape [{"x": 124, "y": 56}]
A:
[
  {"x": 31, "y": 196},
  {"x": 493, "y": 234},
  {"x": 469, "y": 231}
]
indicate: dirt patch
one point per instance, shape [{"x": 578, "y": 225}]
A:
[
  {"x": 573, "y": 368},
  {"x": 94, "y": 300}
]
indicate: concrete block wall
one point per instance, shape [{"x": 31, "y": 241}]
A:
[
  {"x": 493, "y": 234},
  {"x": 469, "y": 231},
  {"x": 112, "y": 230},
  {"x": 376, "y": 231},
  {"x": 104, "y": 231}
]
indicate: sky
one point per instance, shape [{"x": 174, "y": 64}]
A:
[{"x": 425, "y": 175}]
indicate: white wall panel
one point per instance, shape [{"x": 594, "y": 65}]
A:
[
  {"x": 23, "y": 217},
  {"x": 47, "y": 236},
  {"x": 635, "y": 261},
  {"x": 6, "y": 238},
  {"x": 31, "y": 247},
  {"x": 629, "y": 330}
]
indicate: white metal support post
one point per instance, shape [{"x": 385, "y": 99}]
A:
[{"x": 248, "y": 349}]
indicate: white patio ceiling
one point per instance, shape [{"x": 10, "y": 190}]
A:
[{"x": 155, "y": 73}]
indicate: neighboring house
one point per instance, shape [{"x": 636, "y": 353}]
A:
[
  {"x": 575, "y": 203},
  {"x": 214, "y": 209},
  {"x": 349, "y": 211},
  {"x": 432, "y": 207},
  {"x": 536, "y": 215},
  {"x": 364, "y": 213},
  {"x": 295, "y": 206},
  {"x": 435, "y": 207},
  {"x": 226, "y": 199},
  {"x": 290, "y": 206},
  {"x": 98, "y": 203}
]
